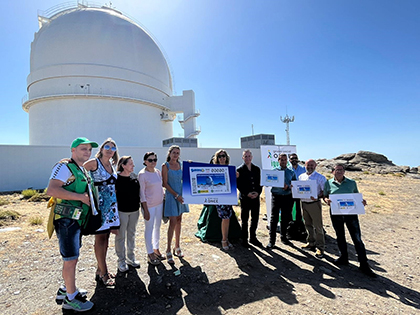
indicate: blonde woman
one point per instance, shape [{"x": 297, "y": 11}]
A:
[
  {"x": 174, "y": 203},
  {"x": 102, "y": 170},
  {"x": 218, "y": 222},
  {"x": 151, "y": 193}
]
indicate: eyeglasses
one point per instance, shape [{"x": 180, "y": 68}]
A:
[
  {"x": 108, "y": 147},
  {"x": 151, "y": 160},
  {"x": 221, "y": 156}
]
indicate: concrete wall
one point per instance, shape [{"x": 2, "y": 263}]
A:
[
  {"x": 59, "y": 121},
  {"x": 25, "y": 166}
]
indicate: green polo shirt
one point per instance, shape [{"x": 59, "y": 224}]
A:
[{"x": 347, "y": 186}]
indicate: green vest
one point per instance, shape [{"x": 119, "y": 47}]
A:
[{"x": 78, "y": 185}]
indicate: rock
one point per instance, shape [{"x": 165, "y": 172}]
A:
[
  {"x": 351, "y": 167},
  {"x": 374, "y": 157},
  {"x": 414, "y": 170},
  {"x": 346, "y": 156}
]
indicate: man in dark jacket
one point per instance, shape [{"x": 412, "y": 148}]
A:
[{"x": 249, "y": 187}]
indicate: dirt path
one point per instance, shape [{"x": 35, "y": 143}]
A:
[{"x": 286, "y": 280}]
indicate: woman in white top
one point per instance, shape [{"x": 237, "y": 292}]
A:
[{"x": 151, "y": 196}]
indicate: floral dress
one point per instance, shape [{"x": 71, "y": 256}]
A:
[{"x": 105, "y": 184}]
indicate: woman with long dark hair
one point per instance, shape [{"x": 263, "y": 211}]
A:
[
  {"x": 174, "y": 203},
  {"x": 128, "y": 198}
]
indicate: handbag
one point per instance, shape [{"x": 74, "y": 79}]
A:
[{"x": 164, "y": 219}]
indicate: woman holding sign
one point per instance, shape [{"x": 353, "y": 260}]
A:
[
  {"x": 174, "y": 203},
  {"x": 217, "y": 222}
]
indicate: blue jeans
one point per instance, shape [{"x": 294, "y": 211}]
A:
[
  {"x": 352, "y": 223},
  {"x": 69, "y": 238}
]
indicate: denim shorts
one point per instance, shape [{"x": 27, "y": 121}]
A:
[{"x": 69, "y": 238}]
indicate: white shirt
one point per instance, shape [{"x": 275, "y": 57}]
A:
[{"x": 320, "y": 182}]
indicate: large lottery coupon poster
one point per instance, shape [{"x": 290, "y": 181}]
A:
[{"x": 209, "y": 184}]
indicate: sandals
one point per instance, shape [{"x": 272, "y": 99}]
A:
[
  {"x": 153, "y": 261},
  {"x": 170, "y": 258},
  {"x": 178, "y": 252},
  {"x": 98, "y": 276},
  {"x": 107, "y": 280},
  {"x": 160, "y": 256},
  {"x": 225, "y": 245}
]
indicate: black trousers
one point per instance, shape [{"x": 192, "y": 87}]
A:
[
  {"x": 283, "y": 203},
  {"x": 352, "y": 223},
  {"x": 250, "y": 205}
]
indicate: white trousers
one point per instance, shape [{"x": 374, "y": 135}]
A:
[
  {"x": 152, "y": 228},
  {"x": 127, "y": 232}
]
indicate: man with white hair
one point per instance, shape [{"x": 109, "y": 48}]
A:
[
  {"x": 312, "y": 211},
  {"x": 249, "y": 186}
]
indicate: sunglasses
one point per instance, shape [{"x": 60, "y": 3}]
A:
[
  {"x": 151, "y": 160},
  {"x": 221, "y": 156},
  {"x": 108, "y": 147}
]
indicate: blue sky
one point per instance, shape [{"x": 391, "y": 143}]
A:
[{"x": 349, "y": 71}]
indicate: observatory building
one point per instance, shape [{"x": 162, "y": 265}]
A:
[{"x": 94, "y": 72}]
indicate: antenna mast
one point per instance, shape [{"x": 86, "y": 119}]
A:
[{"x": 287, "y": 120}]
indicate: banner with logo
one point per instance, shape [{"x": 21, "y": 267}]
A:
[
  {"x": 209, "y": 184},
  {"x": 270, "y": 155}
]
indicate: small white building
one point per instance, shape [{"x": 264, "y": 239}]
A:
[{"x": 96, "y": 73}]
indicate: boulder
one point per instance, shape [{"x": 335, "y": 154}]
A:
[
  {"x": 373, "y": 157},
  {"x": 346, "y": 156}
]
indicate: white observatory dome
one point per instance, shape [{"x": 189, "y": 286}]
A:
[
  {"x": 96, "y": 73},
  {"x": 100, "y": 37}
]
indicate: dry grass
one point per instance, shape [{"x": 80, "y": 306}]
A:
[
  {"x": 4, "y": 201},
  {"x": 28, "y": 193},
  {"x": 36, "y": 220}
]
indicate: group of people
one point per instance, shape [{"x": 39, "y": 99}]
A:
[
  {"x": 102, "y": 195},
  {"x": 282, "y": 202}
]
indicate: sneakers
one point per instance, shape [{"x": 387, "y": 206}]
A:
[
  {"x": 78, "y": 304},
  {"x": 133, "y": 263},
  {"x": 308, "y": 246},
  {"x": 319, "y": 253},
  {"x": 62, "y": 293},
  {"x": 122, "y": 266}
]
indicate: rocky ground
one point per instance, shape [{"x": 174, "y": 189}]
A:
[{"x": 286, "y": 280}]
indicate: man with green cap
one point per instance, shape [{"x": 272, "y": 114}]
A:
[{"x": 69, "y": 185}]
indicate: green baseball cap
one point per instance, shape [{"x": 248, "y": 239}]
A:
[{"x": 81, "y": 140}]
